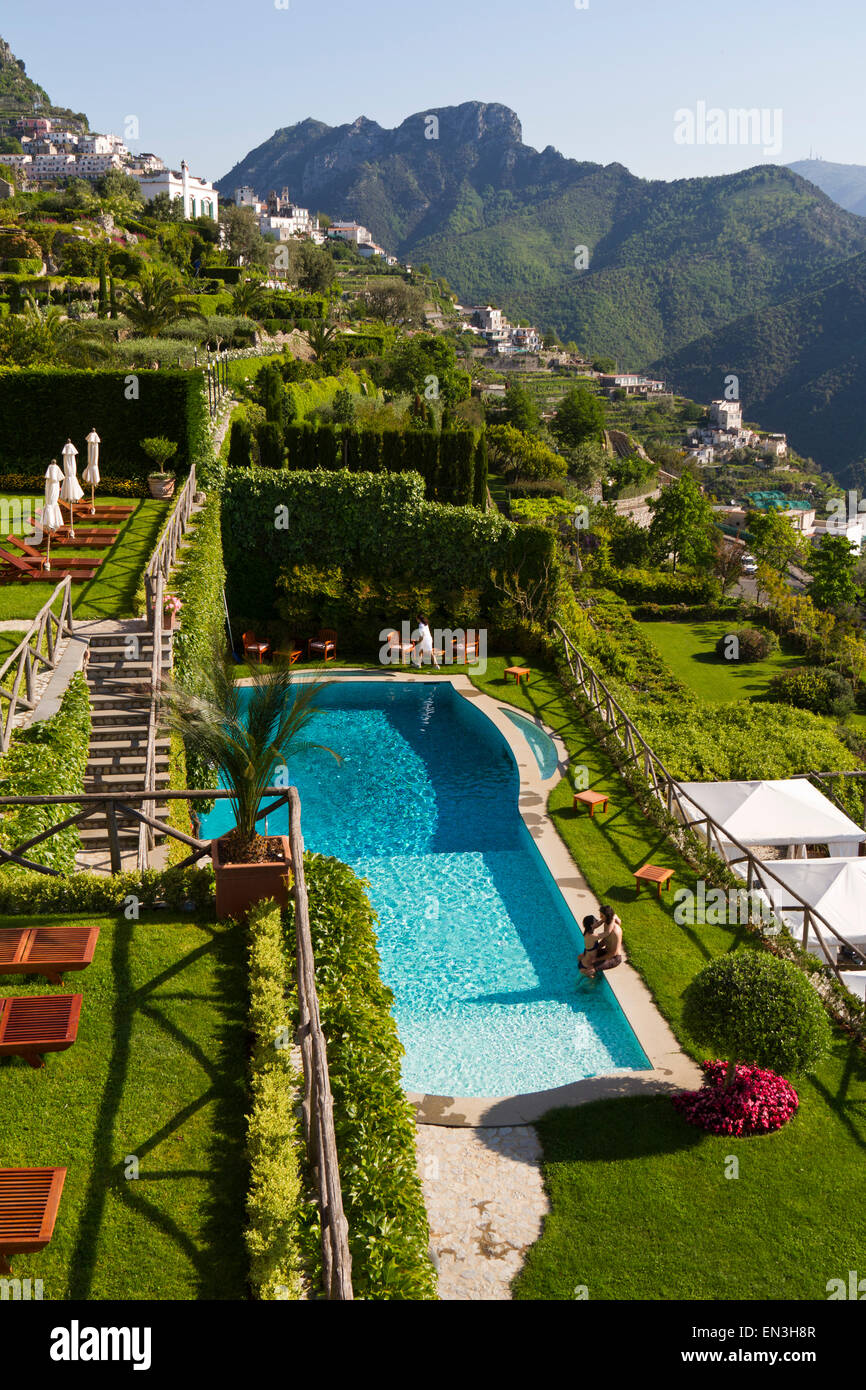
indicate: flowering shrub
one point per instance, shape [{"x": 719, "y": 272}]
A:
[
  {"x": 173, "y": 603},
  {"x": 756, "y": 1102}
]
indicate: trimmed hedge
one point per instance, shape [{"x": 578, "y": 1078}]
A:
[
  {"x": 27, "y": 892},
  {"x": 202, "y": 617},
  {"x": 453, "y": 463},
  {"x": 274, "y": 1137},
  {"x": 370, "y": 525},
  {"x": 108, "y": 487},
  {"x": 375, "y": 1125},
  {"x": 41, "y": 406},
  {"x": 296, "y": 306},
  {"x": 656, "y": 586},
  {"x": 47, "y": 759},
  {"x": 817, "y": 688}
]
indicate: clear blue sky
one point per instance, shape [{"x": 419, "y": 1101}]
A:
[{"x": 209, "y": 79}]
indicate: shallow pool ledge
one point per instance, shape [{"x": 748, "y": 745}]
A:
[{"x": 670, "y": 1069}]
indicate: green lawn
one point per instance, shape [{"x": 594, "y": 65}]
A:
[
  {"x": 689, "y": 650},
  {"x": 111, "y": 593},
  {"x": 641, "y": 1207},
  {"x": 158, "y": 1072},
  {"x": 8, "y": 642}
]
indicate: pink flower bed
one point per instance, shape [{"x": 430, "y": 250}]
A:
[{"x": 756, "y": 1103}]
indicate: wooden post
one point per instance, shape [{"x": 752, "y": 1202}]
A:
[{"x": 113, "y": 841}]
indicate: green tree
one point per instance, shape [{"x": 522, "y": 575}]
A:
[
  {"x": 246, "y": 245},
  {"x": 683, "y": 526},
  {"x": 321, "y": 336},
  {"x": 316, "y": 269},
  {"x": 396, "y": 303},
  {"x": 249, "y": 298},
  {"x": 774, "y": 540},
  {"x": 426, "y": 365},
  {"x": 102, "y": 311},
  {"x": 579, "y": 418},
  {"x": 521, "y": 408},
  {"x": 521, "y": 456},
  {"x": 833, "y": 564}
]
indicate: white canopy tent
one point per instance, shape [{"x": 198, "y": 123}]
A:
[
  {"x": 790, "y": 813},
  {"x": 834, "y": 887}
]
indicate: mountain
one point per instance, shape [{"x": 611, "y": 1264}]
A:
[
  {"x": 668, "y": 262},
  {"x": 801, "y": 365},
  {"x": 844, "y": 183},
  {"x": 21, "y": 96}
]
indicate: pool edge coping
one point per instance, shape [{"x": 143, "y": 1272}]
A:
[{"x": 671, "y": 1069}]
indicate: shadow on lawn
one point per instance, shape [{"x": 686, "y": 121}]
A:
[{"x": 217, "y": 1253}]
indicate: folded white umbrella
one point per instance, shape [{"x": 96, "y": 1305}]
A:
[
  {"x": 71, "y": 491},
  {"x": 91, "y": 472},
  {"x": 51, "y": 517}
]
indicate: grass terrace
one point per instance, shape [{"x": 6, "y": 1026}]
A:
[
  {"x": 111, "y": 593},
  {"x": 689, "y": 648},
  {"x": 158, "y": 1073},
  {"x": 641, "y": 1206}
]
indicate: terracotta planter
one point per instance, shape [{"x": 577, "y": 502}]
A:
[
  {"x": 160, "y": 487},
  {"x": 240, "y": 886}
]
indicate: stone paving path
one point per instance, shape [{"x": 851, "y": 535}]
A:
[{"x": 485, "y": 1203}]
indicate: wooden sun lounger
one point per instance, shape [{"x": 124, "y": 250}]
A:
[
  {"x": 29, "y": 1198},
  {"x": 47, "y": 951},
  {"x": 18, "y": 570},
  {"x": 67, "y": 562},
  {"x": 86, "y": 537},
  {"x": 33, "y": 1024}
]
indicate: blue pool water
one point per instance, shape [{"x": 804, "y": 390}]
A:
[
  {"x": 542, "y": 745},
  {"x": 476, "y": 940}
]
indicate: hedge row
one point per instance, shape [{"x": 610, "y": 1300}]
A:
[
  {"x": 375, "y": 1125},
  {"x": 27, "y": 892},
  {"x": 296, "y": 306},
  {"x": 657, "y": 586},
  {"x": 34, "y": 483},
  {"x": 199, "y": 586},
  {"x": 48, "y": 758},
  {"x": 369, "y": 524},
  {"x": 453, "y": 463},
  {"x": 41, "y": 406},
  {"x": 274, "y": 1138}
]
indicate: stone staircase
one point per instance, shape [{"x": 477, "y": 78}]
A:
[{"x": 118, "y": 676}]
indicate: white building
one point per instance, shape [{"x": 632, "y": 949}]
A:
[
  {"x": 350, "y": 231},
  {"x": 200, "y": 198},
  {"x": 728, "y": 415}
]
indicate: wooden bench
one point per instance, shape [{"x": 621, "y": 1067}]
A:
[
  {"x": 33, "y": 1024},
  {"x": 29, "y": 1198},
  {"x": 518, "y": 672},
  {"x": 47, "y": 951},
  {"x": 19, "y": 570},
  {"x": 590, "y": 799}
]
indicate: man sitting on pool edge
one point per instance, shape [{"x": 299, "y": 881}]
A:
[{"x": 602, "y": 948}]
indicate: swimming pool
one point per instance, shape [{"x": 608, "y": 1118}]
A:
[{"x": 476, "y": 941}]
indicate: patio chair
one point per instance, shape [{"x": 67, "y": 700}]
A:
[
  {"x": 29, "y": 1198},
  {"x": 322, "y": 644},
  {"x": 47, "y": 951},
  {"x": 253, "y": 649},
  {"x": 402, "y": 650},
  {"x": 31, "y": 1025}
]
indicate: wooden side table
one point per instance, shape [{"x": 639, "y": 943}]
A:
[
  {"x": 292, "y": 655},
  {"x": 591, "y": 799},
  {"x": 653, "y": 873},
  {"x": 518, "y": 672}
]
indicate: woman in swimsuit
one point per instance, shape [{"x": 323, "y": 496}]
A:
[{"x": 604, "y": 951}]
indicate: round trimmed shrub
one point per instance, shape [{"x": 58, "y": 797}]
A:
[
  {"x": 751, "y": 1007},
  {"x": 817, "y": 688},
  {"x": 753, "y": 644}
]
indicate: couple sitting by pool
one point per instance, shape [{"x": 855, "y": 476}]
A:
[{"x": 602, "y": 943}]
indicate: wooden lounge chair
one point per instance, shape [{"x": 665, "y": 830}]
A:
[
  {"x": 29, "y": 1198},
  {"x": 47, "y": 951},
  {"x": 254, "y": 650},
  {"x": 86, "y": 537},
  {"x": 401, "y": 650},
  {"x": 14, "y": 570},
  {"x": 32, "y": 1024},
  {"x": 323, "y": 645},
  {"x": 67, "y": 563}
]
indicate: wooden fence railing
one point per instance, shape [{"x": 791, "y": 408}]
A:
[
  {"x": 164, "y": 556},
  {"x": 217, "y": 380},
  {"x": 759, "y": 875},
  {"x": 49, "y": 627},
  {"x": 146, "y": 835},
  {"x": 318, "y": 1105}
]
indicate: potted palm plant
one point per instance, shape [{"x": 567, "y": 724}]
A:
[
  {"x": 247, "y": 741},
  {"x": 159, "y": 450}
]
